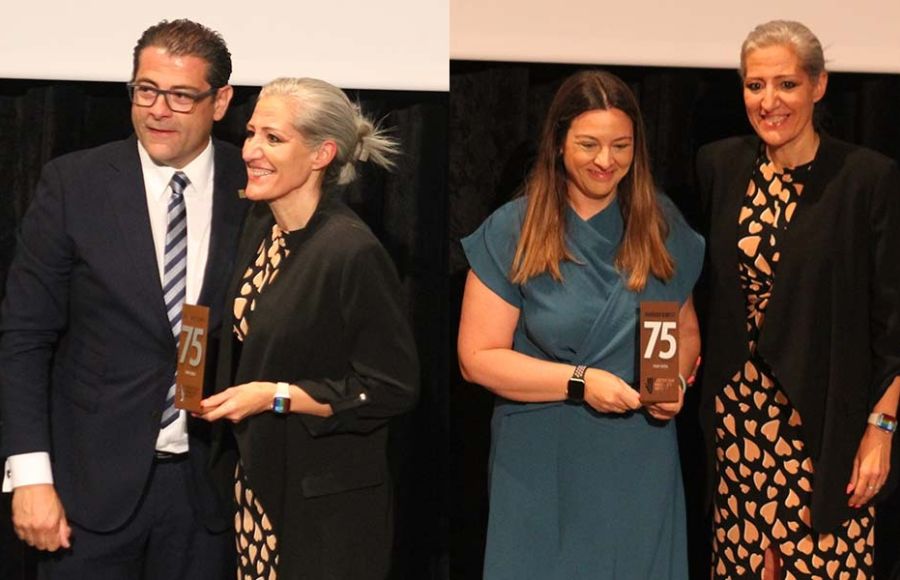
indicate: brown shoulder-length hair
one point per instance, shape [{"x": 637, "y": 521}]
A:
[{"x": 542, "y": 242}]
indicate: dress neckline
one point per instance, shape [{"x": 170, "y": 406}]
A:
[
  {"x": 793, "y": 173},
  {"x": 611, "y": 211}
]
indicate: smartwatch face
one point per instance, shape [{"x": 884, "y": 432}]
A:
[
  {"x": 575, "y": 391},
  {"x": 281, "y": 405}
]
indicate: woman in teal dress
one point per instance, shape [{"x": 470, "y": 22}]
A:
[{"x": 584, "y": 481}]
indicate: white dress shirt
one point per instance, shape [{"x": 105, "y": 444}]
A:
[{"x": 34, "y": 468}]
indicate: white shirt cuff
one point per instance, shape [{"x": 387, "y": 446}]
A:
[{"x": 27, "y": 469}]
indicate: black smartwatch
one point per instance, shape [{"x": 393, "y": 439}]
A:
[{"x": 575, "y": 389}]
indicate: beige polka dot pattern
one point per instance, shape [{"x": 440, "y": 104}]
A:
[
  {"x": 257, "y": 545},
  {"x": 263, "y": 271}
]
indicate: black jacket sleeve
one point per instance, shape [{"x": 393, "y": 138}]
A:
[{"x": 382, "y": 375}]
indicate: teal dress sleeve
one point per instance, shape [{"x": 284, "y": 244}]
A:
[{"x": 490, "y": 250}]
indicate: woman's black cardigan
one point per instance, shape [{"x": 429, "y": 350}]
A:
[
  {"x": 334, "y": 323},
  {"x": 832, "y": 329}
]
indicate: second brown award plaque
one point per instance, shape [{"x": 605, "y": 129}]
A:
[{"x": 659, "y": 352}]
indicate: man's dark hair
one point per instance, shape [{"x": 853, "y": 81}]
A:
[{"x": 187, "y": 38}]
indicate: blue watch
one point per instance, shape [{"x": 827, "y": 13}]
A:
[
  {"x": 281, "y": 404},
  {"x": 883, "y": 421}
]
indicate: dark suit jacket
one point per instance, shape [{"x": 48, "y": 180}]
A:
[
  {"x": 333, "y": 323},
  {"x": 87, "y": 353},
  {"x": 832, "y": 329}
]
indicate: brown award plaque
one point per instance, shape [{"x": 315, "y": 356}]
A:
[
  {"x": 659, "y": 352},
  {"x": 191, "y": 357}
]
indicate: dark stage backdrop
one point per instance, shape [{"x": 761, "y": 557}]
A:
[
  {"x": 496, "y": 110},
  {"x": 407, "y": 210}
]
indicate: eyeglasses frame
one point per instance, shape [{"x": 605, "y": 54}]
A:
[{"x": 131, "y": 86}]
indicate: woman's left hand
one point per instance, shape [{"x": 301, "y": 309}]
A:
[
  {"x": 666, "y": 411},
  {"x": 238, "y": 402},
  {"x": 688, "y": 358},
  {"x": 870, "y": 466}
]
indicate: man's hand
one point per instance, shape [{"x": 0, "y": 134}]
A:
[{"x": 39, "y": 518}]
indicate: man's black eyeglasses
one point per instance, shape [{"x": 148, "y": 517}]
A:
[{"x": 179, "y": 101}]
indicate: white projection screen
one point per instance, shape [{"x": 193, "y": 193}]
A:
[
  {"x": 359, "y": 44},
  {"x": 858, "y": 35}
]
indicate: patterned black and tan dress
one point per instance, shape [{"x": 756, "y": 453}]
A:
[
  {"x": 764, "y": 476},
  {"x": 257, "y": 544}
]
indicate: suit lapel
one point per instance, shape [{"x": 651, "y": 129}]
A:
[{"x": 128, "y": 200}]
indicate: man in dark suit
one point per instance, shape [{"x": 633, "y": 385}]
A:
[{"x": 108, "y": 479}]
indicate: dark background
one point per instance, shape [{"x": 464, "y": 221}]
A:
[
  {"x": 496, "y": 111},
  {"x": 407, "y": 210}
]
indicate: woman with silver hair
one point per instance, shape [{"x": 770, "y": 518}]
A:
[
  {"x": 321, "y": 355},
  {"x": 802, "y": 374}
]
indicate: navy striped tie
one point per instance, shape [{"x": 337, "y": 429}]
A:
[{"x": 175, "y": 274}]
